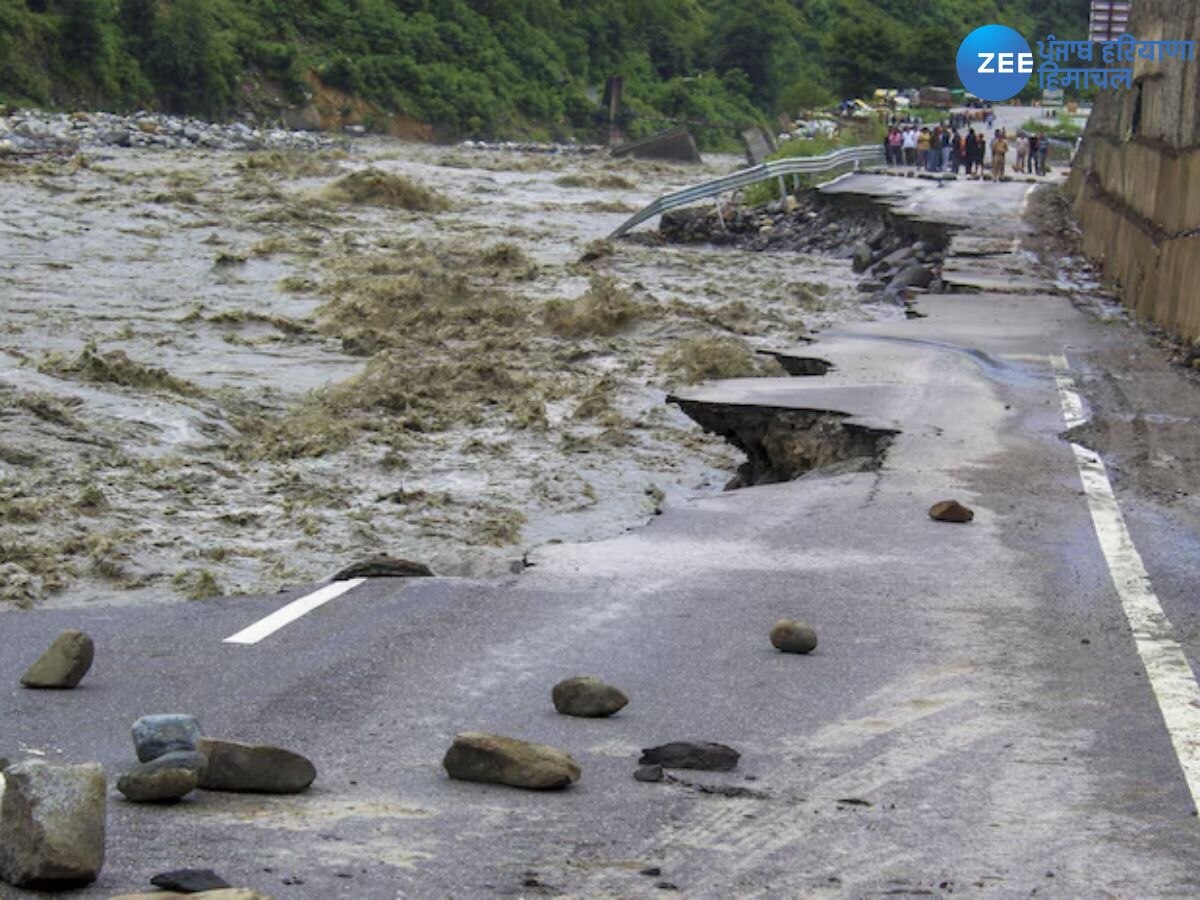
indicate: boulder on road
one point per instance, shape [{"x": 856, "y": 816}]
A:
[
  {"x": 166, "y": 779},
  {"x": 951, "y": 511},
  {"x": 251, "y": 768},
  {"x": 491, "y": 758},
  {"x": 692, "y": 755},
  {"x": 587, "y": 698},
  {"x": 792, "y": 636},
  {"x": 52, "y": 821},
  {"x": 155, "y": 736},
  {"x": 64, "y": 664}
]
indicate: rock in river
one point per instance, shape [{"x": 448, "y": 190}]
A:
[
  {"x": 254, "y": 769},
  {"x": 791, "y": 636},
  {"x": 951, "y": 511},
  {"x": 692, "y": 755},
  {"x": 168, "y": 778},
  {"x": 155, "y": 736},
  {"x": 587, "y": 698},
  {"x": 52, "y": 822},
  {"x": 64, "y": 664},
  {"x": 475, "y": 756}
]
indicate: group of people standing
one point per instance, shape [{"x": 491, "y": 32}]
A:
[{"x": 944, "y": 148}]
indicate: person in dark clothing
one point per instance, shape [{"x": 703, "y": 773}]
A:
[
  {"x": 971, "y": 144},
  {"x": 958, "y": 151},
  {"x": 1031, "y": 163}
]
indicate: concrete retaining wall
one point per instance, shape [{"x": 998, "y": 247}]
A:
[{"x": 1136, "y": 181}]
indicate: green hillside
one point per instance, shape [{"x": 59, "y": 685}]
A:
[{"x": 492, "y": 67}]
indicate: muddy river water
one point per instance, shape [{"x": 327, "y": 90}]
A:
[{"x": 225, "y": 373}]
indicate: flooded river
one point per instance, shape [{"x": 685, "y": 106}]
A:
[{"x": 226, "y": 373}]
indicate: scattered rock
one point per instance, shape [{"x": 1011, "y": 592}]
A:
[
  {"x": 587, "y": 698},
  {"x": 64, "y": 664},
  {"x": 190, "y": 881},
  {"x": 650, "y": 774},
  {"x": 155, "y": 736},
  {"x": 251, "y": 768},
  {"x": 651, "y": 872},
  {"x": 52, "y": 821},
  {"x": 166, "y": 779},
  {"x": 475, "y": 756},
  {"x": 692, "y": 755},
  {"x": 384, "y": 567},
  {"x": 951, "y": 511},
  {"x": 912, "y": 276},
  {"x": 792, "y": 636}
]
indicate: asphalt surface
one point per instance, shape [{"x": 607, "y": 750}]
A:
[{"x": 975, "y": 721}]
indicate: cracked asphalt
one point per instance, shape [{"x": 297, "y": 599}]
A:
[{"x": 976, "y": 719}]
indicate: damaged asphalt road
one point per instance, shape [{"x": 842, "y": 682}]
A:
[{"x": 975, "y": 720}]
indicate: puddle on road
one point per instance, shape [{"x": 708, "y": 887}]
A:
[{"x": 215, "y": 379}]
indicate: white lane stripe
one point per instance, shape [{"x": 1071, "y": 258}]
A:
[
  {"x": 1170, "y": 674},
  {"x": 264, "y": 628}
]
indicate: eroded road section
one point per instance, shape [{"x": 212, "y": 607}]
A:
[{"x": 977, "y": 718}]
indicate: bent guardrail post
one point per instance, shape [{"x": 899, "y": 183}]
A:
[{"x": 780, "y": 168}]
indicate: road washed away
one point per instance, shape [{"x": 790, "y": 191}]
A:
[{"x": 226, "y": 372}]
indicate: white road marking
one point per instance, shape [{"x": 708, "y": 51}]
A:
[
  {"x": 1170, "y": 674},
  {"x": 264, "y": 628}
]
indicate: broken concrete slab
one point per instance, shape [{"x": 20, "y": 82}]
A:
[
  {"x": 494, "y": 759},
  {"x": 64, "y": 663},
  {"x": 52, "y": 824},
  {"x": 587, "y": 698},
  {"x": 673, "y": 145},
  {"x": 190, "y": 881},
  {"x": 692, "y": 755}
]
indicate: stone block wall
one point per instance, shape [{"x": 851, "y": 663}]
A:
[{"x": 1136, "y": 182}]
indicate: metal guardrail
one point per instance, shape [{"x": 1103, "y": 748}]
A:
[{"x": 779, "y": 168}]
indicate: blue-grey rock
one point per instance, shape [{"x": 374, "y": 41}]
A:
[{"x": 155, "y": 736}]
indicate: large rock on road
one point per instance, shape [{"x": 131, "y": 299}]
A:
[
  {"x": 476, "y": 756},
  {"x": 52, "y": 822}
]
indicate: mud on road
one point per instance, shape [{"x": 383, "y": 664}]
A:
[{"x": 225, "y": 373}]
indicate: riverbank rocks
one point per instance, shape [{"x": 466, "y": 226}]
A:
[
  {"x": 64, "y": 663},
  {"x": 490, "y": 758},
  {"x": 650, "y": 774},
  {"x": 951, "y": 511},
  {"x": 692, "y": 755},
  {"x": 155, "y": 736},
  {"x": 587, "y": 698},
  {"x": 793, "y": 636},
  {"x": 166, "y": 779},
  {"x": 52, "y": 821},
  {"x": 253, "y": 768}
]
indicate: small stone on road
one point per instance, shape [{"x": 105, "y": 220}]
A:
[
  {"x": 793, "y": 636},
  {"x": 692, "y": 755},
  {"x": 588, "y": 698}
]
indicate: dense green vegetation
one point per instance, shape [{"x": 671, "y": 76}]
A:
[{"x": 489, "y": 67}]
